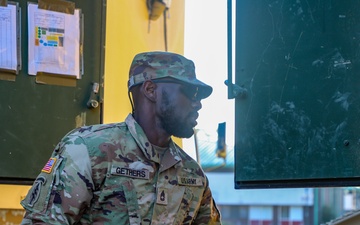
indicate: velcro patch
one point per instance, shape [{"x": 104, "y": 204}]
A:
[
  {"x": 35, "y": 191},
  {"x": 162, "y": 196},
  {"x": 189, "y": 181},
  {"x": 49, "y": 165},
  {"x": 127, "y": 172}
]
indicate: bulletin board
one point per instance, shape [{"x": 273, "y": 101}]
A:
[
  {"x": 36, "y": 111},
  {"x": 298, "y": 125}
]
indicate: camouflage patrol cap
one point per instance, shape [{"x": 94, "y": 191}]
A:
[{"x": 157, "y": 65}]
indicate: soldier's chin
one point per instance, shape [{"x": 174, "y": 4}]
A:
[{"x": 184, "y": 133}]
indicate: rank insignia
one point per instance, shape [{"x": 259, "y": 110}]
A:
[{"x": 162, "y": 196}]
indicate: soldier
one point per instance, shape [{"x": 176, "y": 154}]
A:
[{"x": 131, "y": 172}]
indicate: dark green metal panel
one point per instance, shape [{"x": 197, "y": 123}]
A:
[
  {"x": 33, "y": 117},
  {"x": 300, "y": 63}
]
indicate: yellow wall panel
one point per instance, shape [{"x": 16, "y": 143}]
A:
[
  {"x": 128, "y": 32},
  {"x": 11, "y": 216},
  {"x": 11, "y": 195}
]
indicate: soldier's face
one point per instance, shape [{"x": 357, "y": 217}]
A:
[{"x": 178, "y": 112}]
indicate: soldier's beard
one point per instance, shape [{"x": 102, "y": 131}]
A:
[{"x": 171, "y": 122}]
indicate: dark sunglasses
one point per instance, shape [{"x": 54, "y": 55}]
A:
[{"x": 191, "y": 92}]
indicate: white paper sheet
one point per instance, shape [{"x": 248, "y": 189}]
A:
[
  {"x": 8, "y": 46},
  {"x": 54, "y": 42}
]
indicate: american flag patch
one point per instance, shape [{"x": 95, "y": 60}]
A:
[{"x": 49, "y": 165}]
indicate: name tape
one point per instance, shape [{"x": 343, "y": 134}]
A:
[
  {"x": 190, "y": 181},
  {"x": 127, "y": 172}
]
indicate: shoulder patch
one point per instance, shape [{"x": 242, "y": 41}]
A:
[
  {"x": 35, "y": 193},
  {"x": 49, "y": 165}
]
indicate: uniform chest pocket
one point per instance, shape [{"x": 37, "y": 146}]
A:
[
  {"x": 174, "y": 207},
  {"x": 191, "y": 200},
  {"x": 112, "y": 191},
  {"x": 117, "y": 201},
  {"x": 185, "y": 204}
]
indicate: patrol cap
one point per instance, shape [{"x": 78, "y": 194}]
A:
[{"x": 158, "y": 65}]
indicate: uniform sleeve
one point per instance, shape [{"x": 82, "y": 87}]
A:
[
  {"x": 208, "y": 213},
  {"x": 62, "y": 192}
]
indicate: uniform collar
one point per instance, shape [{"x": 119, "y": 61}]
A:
[{"x": 171, "y": 156}]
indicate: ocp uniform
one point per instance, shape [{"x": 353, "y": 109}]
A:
[{"x": 116, "y": 177}]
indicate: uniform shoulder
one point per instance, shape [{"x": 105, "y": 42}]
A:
[
  {"x": 91, "y": 137},
  {"x": 87, "y": 131}
]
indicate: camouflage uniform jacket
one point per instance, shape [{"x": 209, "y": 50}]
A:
[{"x": 110, "y": 174}]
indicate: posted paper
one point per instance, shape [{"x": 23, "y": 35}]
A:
[
  {"x": 8, "y": 45},
  {"x": 54, "y": 42}
]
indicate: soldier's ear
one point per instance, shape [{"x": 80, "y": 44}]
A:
[{"x": 149, "y": 90}]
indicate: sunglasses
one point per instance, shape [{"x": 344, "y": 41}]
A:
[{"x": 190, "y": 91}]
